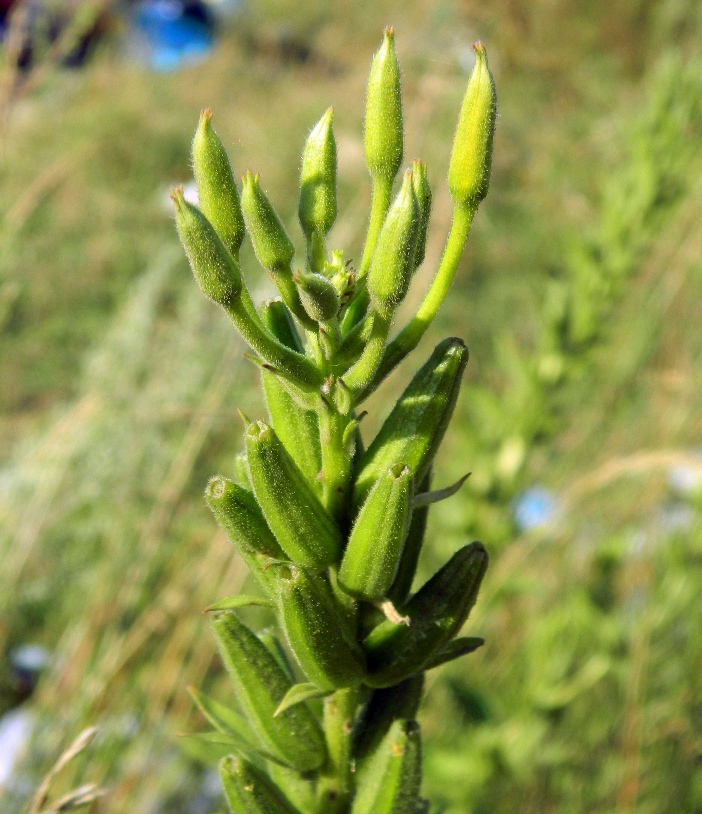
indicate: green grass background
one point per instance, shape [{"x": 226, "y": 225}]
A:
[{"x": 579, "y": 298}]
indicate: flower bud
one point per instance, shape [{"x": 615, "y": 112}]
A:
[
  {"x": 238, "y": 514},
  {"x": 471, "y": 157},
  {"x": 317, "y": 207},
  {"x": 272, "y": 245},
  {"x": 215, "y": 268},
  {"x": 316, "y": 631},
  {"x": 393, "y": 260},
  {"x": 383, "y": 125},
  {"x": 378, "y": 535},
  {"x": 422, "y": 192},
  {"x": 389, "y": 781},
  {"x": 249, "y": 789},
  {"x": 301, "y": 524},
  {"x": 397, "y": 703},
  {"x": 318, "y": 295},
  {"x": 216, "y": 188},
  {"x": 437, "y": 612},
  {"x": 417, "y": 423},
  {"x": 294, "y": 736}
]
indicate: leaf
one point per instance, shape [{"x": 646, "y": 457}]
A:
[
  {"x": 222, "y": 718},
  {"x": 236, "y": 744},
  {"x": 427, "y": 498},
  {"x": 239, "y": 601},
  {"x": 299, "y": 693},
  {"x": 454, "y": 650}
]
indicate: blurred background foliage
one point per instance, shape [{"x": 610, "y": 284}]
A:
[{"x": 579, "y": 298}]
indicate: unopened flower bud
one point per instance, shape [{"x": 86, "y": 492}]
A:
[
  {"x": 383, "y": 126},
  {"x": 215, "y": 268},
  {"x": 422, "y": 192},
  {"x": 272, "y": 245},
  {"x": 317, "y": 207},
  {"x": 216, "y": 188},
  {"x": 318, "y": 295},
  {"x": 393, "y": 260},
  {"x": 471, "y": 158}
]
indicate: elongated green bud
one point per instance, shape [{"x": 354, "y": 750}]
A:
[
  {"x": 316, "y": 633},
  {"x": 317, "y": 207},
  {"x": 384, "y": 130},
  {"x": 249, "y": 790},
  {"x": 295, "y": 735},
  {"x": 318, "y": 295},
  {"x": 415, "y": 427},
  {"x": 393, "y": 260},
  {"x": 397, "y": 703},
  {"x": 216, "y": 187},
  {"x": 437, "y": 612},
  {"x": 239, "y": 516},
  {"x": 389, "y": 782},
  {"x": 237, "y": 513},
  {"x": 216, "y": 270},
  {"x": 274, "y": 249},
  {"x": 471, "y": 157},
  {"x": 422, "y": 192},
  {"x": 301, "y": 524},
  {"x": 377, "y": 537},
  {"x": 402, "y": 584},
  {"x": 297, "y": 428}
]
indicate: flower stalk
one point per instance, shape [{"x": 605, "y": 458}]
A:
[{"x": 331, "y": 527}]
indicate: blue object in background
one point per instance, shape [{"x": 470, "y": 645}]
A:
[
  {"x": 534, "y": 507},
  {"x": 170, "y": 34}
]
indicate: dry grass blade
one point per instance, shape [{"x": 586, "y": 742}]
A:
[
  {"x": 82, "y": 796},
  {"x": 79, "y": 744}
]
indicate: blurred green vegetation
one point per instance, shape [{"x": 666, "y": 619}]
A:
[{"x": 579, "y": 300}]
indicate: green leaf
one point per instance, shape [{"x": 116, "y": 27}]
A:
[
  {"x": 240, "y": 601},
  {"x": 299, "y": 693},
  {"x": 222, "y": 718},
  {"x": 455, "y": 649}
]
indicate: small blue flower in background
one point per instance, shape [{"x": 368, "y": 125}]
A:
[
  {"x": 169, "y": 34},
  {"x": 534, "y": 507}
]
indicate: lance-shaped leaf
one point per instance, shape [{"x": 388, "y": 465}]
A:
[
  {"x": 389, "y": 781},
  {"x": 303, "y": 527},
  {"x": 295, "y": 736}
]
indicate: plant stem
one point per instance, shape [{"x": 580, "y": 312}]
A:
[
  {"x": 382, "y": 190},
  {"x": 359, "y": 377},
  {"x": 409, "y": 337},
  {"x": 337, "y": 784},
  {"x": 336, "y": 464}
]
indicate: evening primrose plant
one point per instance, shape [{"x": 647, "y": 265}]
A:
[{"x": 331, "y": 529}]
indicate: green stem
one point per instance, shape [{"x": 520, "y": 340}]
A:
[
  {"x": 289, "y": 361},
  {"x": 409, "y": 337},
  {"x": 359, "y": 377},
  {"x": 336, "y": 785},
  {"x": 336, "y": 464},
  {"x": 380, "y": 203},
  {"x": 315, "y": 252}
]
